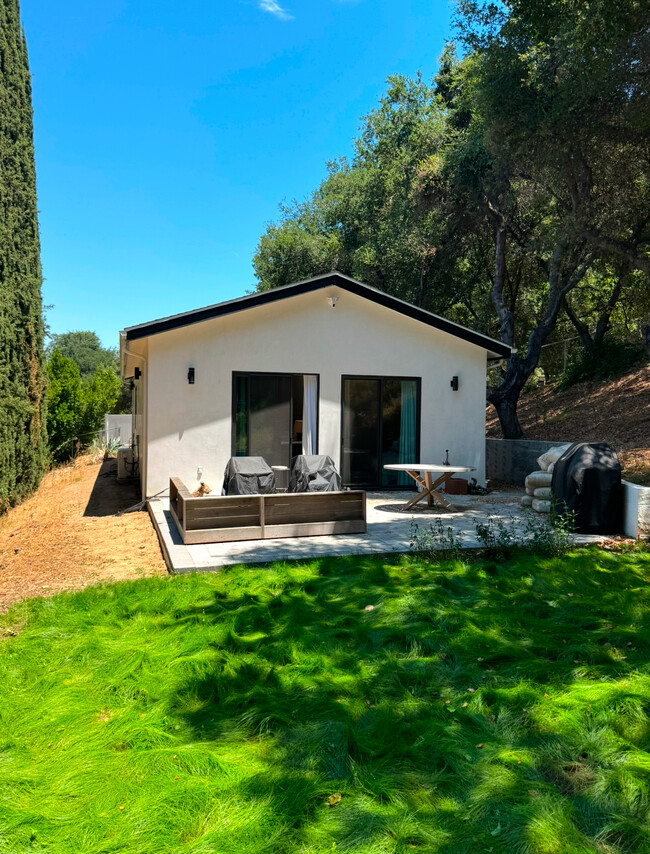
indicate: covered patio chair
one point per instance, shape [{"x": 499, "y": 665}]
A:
[
  {"x": 314, "y": 473},
  {"x": 248, "y": 476}
]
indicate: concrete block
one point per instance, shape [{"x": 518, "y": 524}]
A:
[{"x": 636, "y": 510}]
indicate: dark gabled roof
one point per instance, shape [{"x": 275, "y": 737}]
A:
[{"x": 143, "y": 330}]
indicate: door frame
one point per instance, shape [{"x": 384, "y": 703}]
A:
[
  {"x": 380, "y": 422},
  {"x": 233, "y": 403}
]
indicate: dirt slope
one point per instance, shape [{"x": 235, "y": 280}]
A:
[
  {"x": 617, "y": 412},
  {"x": 66, "y": 537}
]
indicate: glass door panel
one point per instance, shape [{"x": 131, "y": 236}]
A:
[
  {"x": 274, "y": 416},
  {"x": 361, "y": 422},
  {"x": 240, "y": 417},
  {"x": 380, "y": 427},
  {"x": 399, "y": 429},
  {"x": 269, "y": 401},
  {"x": 391, "y": 407}
]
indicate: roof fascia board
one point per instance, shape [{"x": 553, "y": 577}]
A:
[{"x": 360, "y": 289}]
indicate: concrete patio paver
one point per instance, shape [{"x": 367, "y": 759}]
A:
[{"x": 389, "y": 530}]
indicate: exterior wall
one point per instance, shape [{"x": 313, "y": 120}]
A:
[{"x": 189, "y": 426}]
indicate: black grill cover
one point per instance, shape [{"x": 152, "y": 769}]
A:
[
  {"x": 587, "y": 482},
  {"x": 313, "y": 473},
  {"x": 248, "y": 476}
]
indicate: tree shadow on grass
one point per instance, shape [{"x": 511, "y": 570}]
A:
[{"x": 455, "y": 708}]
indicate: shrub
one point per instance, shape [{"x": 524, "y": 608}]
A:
[
  {"x": 64, "y": 405},
  {"x": 552, "y": 535},
  {"x": 75, "y": 408},
  {"x": 435, "y": 540},
  {"x": 100, "y": 394}
]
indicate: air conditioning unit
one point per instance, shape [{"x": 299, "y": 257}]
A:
[{"x": 124, "y": 463}]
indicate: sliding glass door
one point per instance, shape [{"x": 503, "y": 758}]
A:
[
  {"x": 380, "y": 425},
  {"x": 360, "y": 457},
  {"x": 269, "y": 405},
  {"x": 275, "y": 416}
]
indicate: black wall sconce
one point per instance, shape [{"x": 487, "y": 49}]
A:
[
  {"x": 454, "y": 383},
  {"x": 190, "y": 376},
  {"x": 137, "y": 373}
]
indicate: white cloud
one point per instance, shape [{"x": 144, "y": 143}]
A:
[{"x": 274, "y": 8}]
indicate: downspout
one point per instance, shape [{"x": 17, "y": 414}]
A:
[{"x": 124, "y": 351}]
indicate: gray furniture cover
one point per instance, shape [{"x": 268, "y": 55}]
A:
[
  {"x": 587, "y": 483},
  {"x": 248, "y": 476},
  {"x": 314, "y": 473}
]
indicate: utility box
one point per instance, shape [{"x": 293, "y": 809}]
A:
[{"x": 124, "y": 463}]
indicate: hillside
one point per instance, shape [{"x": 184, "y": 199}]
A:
[
  {"x": 68, "y": 535},
  {"x": 616, "y": 412}
]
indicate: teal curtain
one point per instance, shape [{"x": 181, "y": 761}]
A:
[{"x": 408, "y": 427}]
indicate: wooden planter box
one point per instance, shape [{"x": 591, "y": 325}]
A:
[
  {"x": 224, "y": 518},
  {"x": 456, "y": 486}
]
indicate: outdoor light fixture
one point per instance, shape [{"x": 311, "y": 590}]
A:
[
  {"x": 137, "y": 373},
  {"x": 454, "y": 383},
  {"x": 331, "y": 301},
  {"x": 190, "y": 376}
]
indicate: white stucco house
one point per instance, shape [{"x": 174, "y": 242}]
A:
[{"x": 328, "y": 365}]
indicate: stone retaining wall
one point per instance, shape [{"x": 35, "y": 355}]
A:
[{"x": 510, "y": 460}]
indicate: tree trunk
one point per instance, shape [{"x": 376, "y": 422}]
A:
[
  {"x": 603, "y": 321},
  {"x": 505, "y": 315},
  {"x": 506, "y": 397},
  {"x": 581, "y": 328},
  {"x": 506, "y": 409},
  {"x": 420, "y": 301},
  {"x": 645, "y": 332},
  {"x": 508, "y": 419}
]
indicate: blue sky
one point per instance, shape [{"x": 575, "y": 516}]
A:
[{"x": 167, "y": 133}]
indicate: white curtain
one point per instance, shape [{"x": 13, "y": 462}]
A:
[{"x": 309, "y": 414}]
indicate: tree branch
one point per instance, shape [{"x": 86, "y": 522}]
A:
[{"x": 637, "y": 260}]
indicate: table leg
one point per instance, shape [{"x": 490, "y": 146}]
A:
[
  {"x": 419, "y": 495},
  {"x": 430, "y": 491},
  {"x": 428, "y": 481},
  {"x": 442, "y": 501}
]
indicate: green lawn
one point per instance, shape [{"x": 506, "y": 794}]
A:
[{"x": 484, "y": 707}]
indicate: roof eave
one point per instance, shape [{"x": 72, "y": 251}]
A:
[{"x": 495, "y": 349}]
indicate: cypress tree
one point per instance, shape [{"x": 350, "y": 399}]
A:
[{"x": 22, "y": 412}]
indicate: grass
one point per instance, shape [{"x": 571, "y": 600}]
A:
[{"x": 480, "y": 707}]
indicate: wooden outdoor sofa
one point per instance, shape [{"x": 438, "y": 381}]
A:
[{"x": 223, "y": 518}]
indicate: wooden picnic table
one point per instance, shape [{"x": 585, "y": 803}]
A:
[{"x": 429, "y": 486}]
